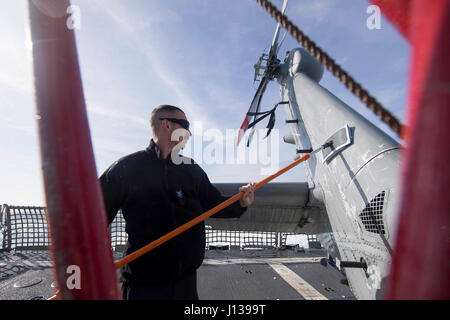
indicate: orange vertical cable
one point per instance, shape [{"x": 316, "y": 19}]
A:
[{"x": 76, "y": 214}]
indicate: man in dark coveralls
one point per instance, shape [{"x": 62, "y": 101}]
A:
[{"x": 157, "y": 194}]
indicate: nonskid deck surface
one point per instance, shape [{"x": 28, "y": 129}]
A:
[{"x": 225, "y": 275}]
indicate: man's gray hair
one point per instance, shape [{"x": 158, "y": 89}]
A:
[{"x": 162, "y": 111}]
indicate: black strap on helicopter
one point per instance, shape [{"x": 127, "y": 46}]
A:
[{"x": 263, "y": 115}]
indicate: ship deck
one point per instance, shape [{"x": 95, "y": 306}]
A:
[{"x": 258, "y": 274}]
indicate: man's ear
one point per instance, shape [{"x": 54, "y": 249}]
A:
[{"x": 167, "y": 123}]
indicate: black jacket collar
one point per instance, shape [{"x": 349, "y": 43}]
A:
[{"x": 156, "y": 152}]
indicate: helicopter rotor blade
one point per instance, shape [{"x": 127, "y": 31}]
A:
[
  {"x": 274, "y": 47},
  {"x": 256, "y": 102},
  {"x": 254, "y": 107}
]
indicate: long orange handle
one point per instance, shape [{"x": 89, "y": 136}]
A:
[{"x": 136, "y": 254}]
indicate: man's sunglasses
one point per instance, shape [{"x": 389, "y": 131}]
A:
[{"x": 181, "y": 122}]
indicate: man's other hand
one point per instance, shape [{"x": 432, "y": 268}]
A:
[{"x": 249, "y": 196}]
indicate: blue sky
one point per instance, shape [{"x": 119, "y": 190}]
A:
[{"x": 196, "y": 54}]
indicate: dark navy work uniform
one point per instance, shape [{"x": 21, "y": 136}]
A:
[{"x": 156, "y": 196}]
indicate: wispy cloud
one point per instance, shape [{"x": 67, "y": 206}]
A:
[
  {"x": 132, "y": 27},
  {"x": 117, "y": 115},
  {"x": 117, "y": 147},
  {"x": 317, "y": 10},
  {"x": 13, "y": 124}
]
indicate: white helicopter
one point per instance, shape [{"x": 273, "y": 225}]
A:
[{"x": 352, "y": 194}]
